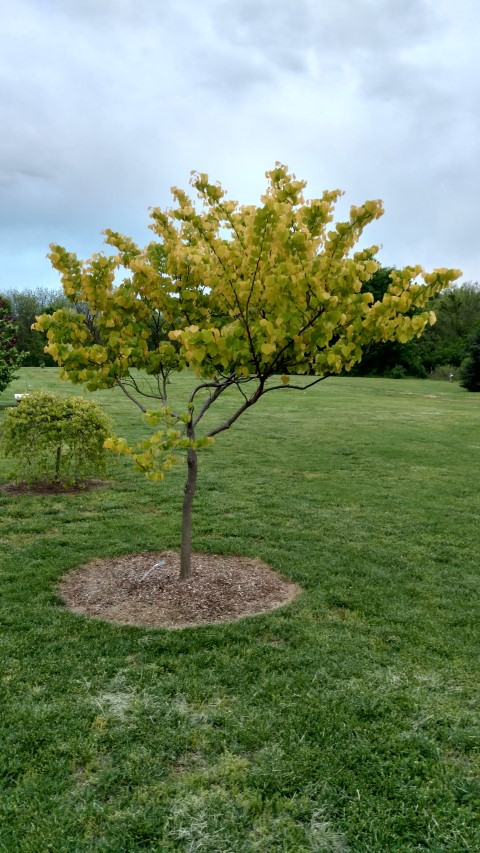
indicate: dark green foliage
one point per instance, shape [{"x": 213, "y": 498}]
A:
[
  {"x": 25, "y": 306},
  {"x": 398, "y": 372},
  {"x": 443, "y": 345},
  {"x": 390, "y": 358},
  {"x": 10, "y": 356},
  {"x": 379, "y": 283},
  {"x": 470, "y": 369},
  {"x": 458, "y": 315},
  {"x": 54, "y": 437}
]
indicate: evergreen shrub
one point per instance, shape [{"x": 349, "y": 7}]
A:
[{"x": 470, "y": 368}]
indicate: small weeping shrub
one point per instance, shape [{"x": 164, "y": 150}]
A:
[{"x": 56, "y": 439}]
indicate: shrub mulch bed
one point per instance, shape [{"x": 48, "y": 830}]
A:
[{"x": 51, "y": 487}]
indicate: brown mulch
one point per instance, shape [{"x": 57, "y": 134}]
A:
[
  {"x": 133, "y": 590},
  {"x": 52, "y": 487}
]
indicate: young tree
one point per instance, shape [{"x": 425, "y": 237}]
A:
[
  {"x": 243, "y": 293},
  {"x": 10, "y": 357}
]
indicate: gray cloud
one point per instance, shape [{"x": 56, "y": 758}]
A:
[{"x": 106, "y": 103}]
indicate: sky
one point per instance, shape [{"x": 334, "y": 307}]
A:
[{"x": 105, "y": 104}]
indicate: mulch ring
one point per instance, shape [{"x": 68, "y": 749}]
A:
[
  {"x": 145, "y": 590},
  {"x": 52, "y": 487}
]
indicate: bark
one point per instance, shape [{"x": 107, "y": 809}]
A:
[{"x": 190, "y": 488}]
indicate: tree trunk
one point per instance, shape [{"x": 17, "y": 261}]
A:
[{"x": 190, "y": 487}]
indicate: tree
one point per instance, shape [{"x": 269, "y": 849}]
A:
[
  {"x": 10, "y": 357},
  {"x": 25, "y": 306},
  {"x": 470, "y": 369},
  {"x": 243, "y": 290},
  {"x": 458, "y": 315}
]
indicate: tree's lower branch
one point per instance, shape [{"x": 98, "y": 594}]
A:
[
  {"x": 219, "y": 389},
  {"x": 139, "y": 390},
  {"x": 296, "y": 387},
  {"x": 305, "y": 327},
  {"x": 130, "y": 396},
  {"x": 203, "y": 385},
  {"x": 242, "y": 392},
  {"x": 246, "y": 405},
  {"x": 162, "y": 395}
]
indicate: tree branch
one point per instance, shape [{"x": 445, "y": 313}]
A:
[
  {"x": 296, "y": 387},
  {"x": 247, "y": 305},
  {"x": 131, "y": 381},
  {"x": 235, "y": 294},
  {"x": 211, "y": 399},
  {"x": 229, "y": 219},
  {"x": 246, "y": 405},
  {"x": 130, "y": 396}
]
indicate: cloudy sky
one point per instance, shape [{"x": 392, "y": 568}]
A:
[{"x": 104, "y": 104}]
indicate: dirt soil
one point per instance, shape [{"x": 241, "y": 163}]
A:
[{"x": 144, "y": 589}]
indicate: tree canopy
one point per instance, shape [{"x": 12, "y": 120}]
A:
[
  {"x": 237, "y": 293},
  {"x": 443, "y": 346},
  {"x": 24, "y": 306},
  {"x": 458, "y": 316},
  {"x": 10, "y": 356}
]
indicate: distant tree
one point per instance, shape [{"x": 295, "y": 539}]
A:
[
  {"x": 445, "y": 343},
  {"x": 10, "y": 356},
  {"x": 458, "y": 315},
  {"x": 25, "y": 306},
  {"x": 470, "y": 368},
  {"x": 244, "y": 291}
]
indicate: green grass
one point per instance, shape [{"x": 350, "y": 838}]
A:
[{"x": 346, "y": 721}]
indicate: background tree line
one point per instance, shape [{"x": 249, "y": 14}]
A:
[
  {"x": 23, "y": 306},
  {"x": 442, "y": 348},
  {"x": 440, "y": 351}
]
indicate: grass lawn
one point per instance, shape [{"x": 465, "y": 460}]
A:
[{"x": 348, "y": 721}]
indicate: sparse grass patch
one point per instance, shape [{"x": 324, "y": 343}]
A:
[{"x": 345, "y": 722}]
